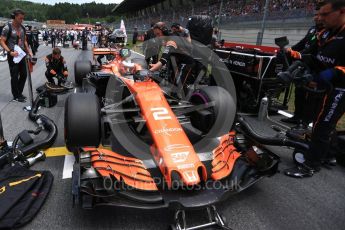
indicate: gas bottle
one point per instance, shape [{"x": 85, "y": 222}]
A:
[{"x": 263, "y": 109}]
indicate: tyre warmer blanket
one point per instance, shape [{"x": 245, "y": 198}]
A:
[{"x": 22, "y": 194}]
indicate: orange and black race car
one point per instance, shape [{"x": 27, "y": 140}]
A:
[{"x": 137, "y": 144}]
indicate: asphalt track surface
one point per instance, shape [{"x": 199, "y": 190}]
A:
[{"x": 274, "y": 203}]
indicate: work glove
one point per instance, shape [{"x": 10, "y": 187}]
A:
[
  {"x": 285, "y": 77},
  {"x": 326, "y": 75},
  {"x": 294, "y": 54}
]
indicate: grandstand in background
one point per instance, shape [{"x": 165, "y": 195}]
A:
[
  {"x": 238, "y": 20},
  {"x": 142, "y": 13}
]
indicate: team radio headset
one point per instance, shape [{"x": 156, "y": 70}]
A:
[{"x": 163, "y": 28}]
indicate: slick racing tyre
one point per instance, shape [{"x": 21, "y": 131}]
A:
[
  {"x": 82, "y": 121},
  {"x": 81, "y": 68},
  {"x": 216, "y": 120}
]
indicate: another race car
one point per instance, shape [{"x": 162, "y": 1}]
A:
[{"x": 163, "y": 151}]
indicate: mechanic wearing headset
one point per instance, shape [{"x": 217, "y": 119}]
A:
[
  {"x": 56, "y": 67},
  {"x": 176, "y": 52},
  {"x": 301, "y": 95},
  {"x": 14, "y": 34},
  {"x": 177, "y": 29},
  {"x": 330, "y": 52}
]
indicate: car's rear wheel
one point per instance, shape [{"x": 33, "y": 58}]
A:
[
  {"x": 216, "y": 120},
  {"x": 81, "y": 69},
  {"x": 82, "y": 121}
]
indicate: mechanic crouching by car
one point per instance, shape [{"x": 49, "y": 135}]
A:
[
  {"x": 330, "y": 53},
  {"x": 56, "y": 67},
  {"x": 177, "y": 57}
]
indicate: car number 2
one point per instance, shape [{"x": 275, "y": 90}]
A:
[{"x": 160, "y": 113}]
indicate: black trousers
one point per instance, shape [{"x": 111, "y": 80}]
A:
[
  {"x": 18, "y": 76},
  {"x": 50, "y": 78},
  {"x": 300, "y": 101},
  {"x": 32, "y": 46},
  {"x": 307, "y": 105},
  {"x": 53, "y": 43},
  {"x": 333, "y": 108}
]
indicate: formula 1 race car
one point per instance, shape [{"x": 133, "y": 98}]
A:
[{"x": 163, "y": 151}]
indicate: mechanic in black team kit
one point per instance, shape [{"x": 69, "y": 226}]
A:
[
  {"x": 302, "y": 98},
  {"x": 330, "y": 52},
  {"x": 56, "y": 67},
  {"x": 151, "y": 46}
]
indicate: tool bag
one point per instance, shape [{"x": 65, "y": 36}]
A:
[{"x": 22, "y": 194}]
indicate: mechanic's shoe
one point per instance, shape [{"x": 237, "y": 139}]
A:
[
  {"x": 22, "y": 96},
  {"x": 302, "y": 170},
  {"x": 292, "y": 120},
  {"x": 18, "y": 99}
]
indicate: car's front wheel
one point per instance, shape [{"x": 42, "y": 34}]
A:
[
  {"x": 81, "y": 69},
  {"x": 82, "y": 121},
  {"x": 217, "y": 119}
]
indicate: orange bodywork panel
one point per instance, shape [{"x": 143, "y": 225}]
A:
[
  {"x": 224, "y": 157},
  {"x": 172, "y": 149},
  {"x": 130, "y": 170},
  {"x": 118, "y": 69}
]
